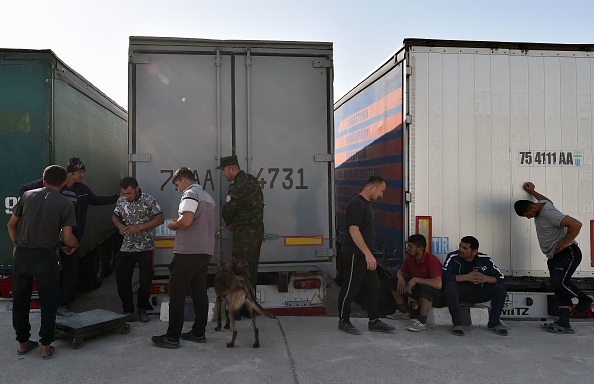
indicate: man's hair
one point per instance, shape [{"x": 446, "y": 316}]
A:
[
  {"x": 128, "y": 182},
  {"x": 54, "y": 175},
  {"x": 522, "y": 206},
  {"x": 472, "y": 241},
  {"x": 183, "y": 172},
  {"x": 418, "y": 240},
  {"x": 375, "y": 179}
]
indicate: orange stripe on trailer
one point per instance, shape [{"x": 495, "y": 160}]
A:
[
  {"x": 297, "y": 241},
  {"x": 162, "y": 243},
  {"x": 370, "y": 132},
  {"x": 379, "y": 150},
  {"x": 391, "y": 100}
]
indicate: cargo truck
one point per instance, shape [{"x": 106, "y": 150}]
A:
[
  {"x": 456, "y": 128},
  {"x": 49, "y": 113},
  {"x": 193, "y": 101}
]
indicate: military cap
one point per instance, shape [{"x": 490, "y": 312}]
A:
[{"x": 229, "y": 160}]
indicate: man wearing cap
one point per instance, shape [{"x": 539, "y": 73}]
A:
[
  {"x": 243, "y": 213},
  {"x": 81, "y": 196}
]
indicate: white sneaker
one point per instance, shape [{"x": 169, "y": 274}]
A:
[
  {"x": 417, "y": 326},
  {"x": 397, "y": 315}
]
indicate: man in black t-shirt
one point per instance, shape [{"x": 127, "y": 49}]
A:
[
  {"x": 357, "y": 261},
  {"x": 40, "y": 217}
]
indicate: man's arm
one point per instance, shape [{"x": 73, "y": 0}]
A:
[
  {"x": 360, "y": 243},
  {"x": 12, "y": 225},
  {"x": 153, "y": 223},
  {"x": 529, "y": 187},
  {"x": 101, "y": 199},
  {"x": 182, "y": 222},
  {"x": 69, "y": 240},
  {"x": 434, "y": 282},
  {"x": 29, "y": 186},
  {"x": 573, "y": 230}
]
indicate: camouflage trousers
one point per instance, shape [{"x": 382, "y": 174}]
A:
[{"x": 247, "y": 241}]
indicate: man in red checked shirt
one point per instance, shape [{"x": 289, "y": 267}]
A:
[{"x": 420, "y": 277}]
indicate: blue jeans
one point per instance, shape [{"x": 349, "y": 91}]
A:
[{"x": 41, "y": 264}]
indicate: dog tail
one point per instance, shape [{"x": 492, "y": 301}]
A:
[{"x": 249, "y": 291}]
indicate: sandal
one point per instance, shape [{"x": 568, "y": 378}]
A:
[
  {"x": 556, "y": 328},
  {"x": 50, "y": 355},
  {"x": 34, "y": 344},
  {"x": 457, "y": 330},
  {"x": 499, "y": 330}
]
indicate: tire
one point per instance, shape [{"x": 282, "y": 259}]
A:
[{"x": 91, "y": 269}]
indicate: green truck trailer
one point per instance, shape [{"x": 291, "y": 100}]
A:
[{"x": 49, "y": 113}]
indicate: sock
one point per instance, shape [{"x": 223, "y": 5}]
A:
[
  {"x": 422, "y": 319},
  {"x": 403, "y": 308},
  {"x": 563, "y": 317}
]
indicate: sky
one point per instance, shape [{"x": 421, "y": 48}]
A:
[{"x": 92, "y": 37}]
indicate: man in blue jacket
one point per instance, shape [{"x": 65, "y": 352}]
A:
[
  {"x": 471, "y": 277},
  {"x": 81, "y": 196}
]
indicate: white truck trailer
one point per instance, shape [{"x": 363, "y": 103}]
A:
[
  {"x": 193, "y": 101},
  {"x": 456, "y": 128}
]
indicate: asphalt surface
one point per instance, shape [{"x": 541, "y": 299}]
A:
[{"x": 307, "y": 350}]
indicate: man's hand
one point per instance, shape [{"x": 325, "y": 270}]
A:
[
  {"x": 230, "y": 227},
  {"x": 371, "y": 262},
  {"x": 131, "y": 229},
  {"x": 412, "y": 282},
  {"x": 402, "y": 286},
  {"x": 69, "y": 250},
  {"x": 562, "y": 244},
  {"x": 529, "y": 187}
]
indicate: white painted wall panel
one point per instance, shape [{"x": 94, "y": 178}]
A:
[{"x": 481, "y": 108}]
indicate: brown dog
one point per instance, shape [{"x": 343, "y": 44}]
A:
[{"x": 232, "y": 286}]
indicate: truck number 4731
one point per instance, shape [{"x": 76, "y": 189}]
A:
[{"x": 287, "y": 177}]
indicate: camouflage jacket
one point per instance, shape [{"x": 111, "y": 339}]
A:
[
  {"x": 244, "y": 204},
  {"x": 142, "y": 210}
]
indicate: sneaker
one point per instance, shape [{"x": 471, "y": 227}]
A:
[
  {"x": 190, "y": 337},
  {"x": 457, "y": 330},
  {"x": 165, "y": 342},
  {"x": 142, "y": 315},
  {"x": 582, "y": 306},
  {"x": 416, "y": 326},
  {"x": 131, "y": 316},
  {"x": 398, "y": 315},
  {"x": 379, "y": 326},
  {"x": 64, "y": 311},
  {"x": 347, "y": 327}
]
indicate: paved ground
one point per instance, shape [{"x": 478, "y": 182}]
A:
[{"x": 305, "y": 350}]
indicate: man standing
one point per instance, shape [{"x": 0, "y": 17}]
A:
[
  {"x": 35, "y": 227},
  {"x": 136, "y": 215},
  {"x": 80, "y": 195},
  {"x": 471, "y": 277},
  {"x": 358, "y": 263},
  {"x": 193, "y": 247},
  {"x": 243, "y": 213},
  {"x": 556, "y": 234},
  {"x": 419, "y": 276}
]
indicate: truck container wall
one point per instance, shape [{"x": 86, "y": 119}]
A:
[
  {"x": 478, "y": 120},
  {"x": 49, "y": 113},
  {"x": 270, "y": 103}
]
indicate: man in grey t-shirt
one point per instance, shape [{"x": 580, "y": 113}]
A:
[{"x": 556, "y": 234}]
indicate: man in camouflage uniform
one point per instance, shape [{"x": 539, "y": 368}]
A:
[
  {"x": 243, "y": 214},
  {"x": 136, "y": 215}
]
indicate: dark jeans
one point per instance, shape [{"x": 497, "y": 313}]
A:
[
  {"x": 68, "y": 277},
  {"x": 124, "y": 270},
  {"x": 467, "y": 292},
  {"x": 435, "y": 296},
  {"x": 188, "y": 276},
  {"x": 355, "y": 276},
  {"x": 41, "y": 264},
  {"x": 247, "y": 241},
  {"x": 561, "y": 268}
]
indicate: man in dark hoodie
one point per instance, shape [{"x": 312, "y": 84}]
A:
[{"x": 81, "y": 196}]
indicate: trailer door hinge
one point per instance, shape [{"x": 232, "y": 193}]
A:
[
  {"x": 408, "y": 70},
  {"x": 408, "y": 119},
  {"x": 140, "y": 59},
  {"x": 323, "y": 157},
  {"x": 322, "y": 63},
  {"x": 138, "y": 157},
  {"x": 407, "y": 197}
]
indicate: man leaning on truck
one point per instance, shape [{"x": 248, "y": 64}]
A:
[
  {"x": 40, "y": 217},
  {"x": 556, "y": 234}
]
